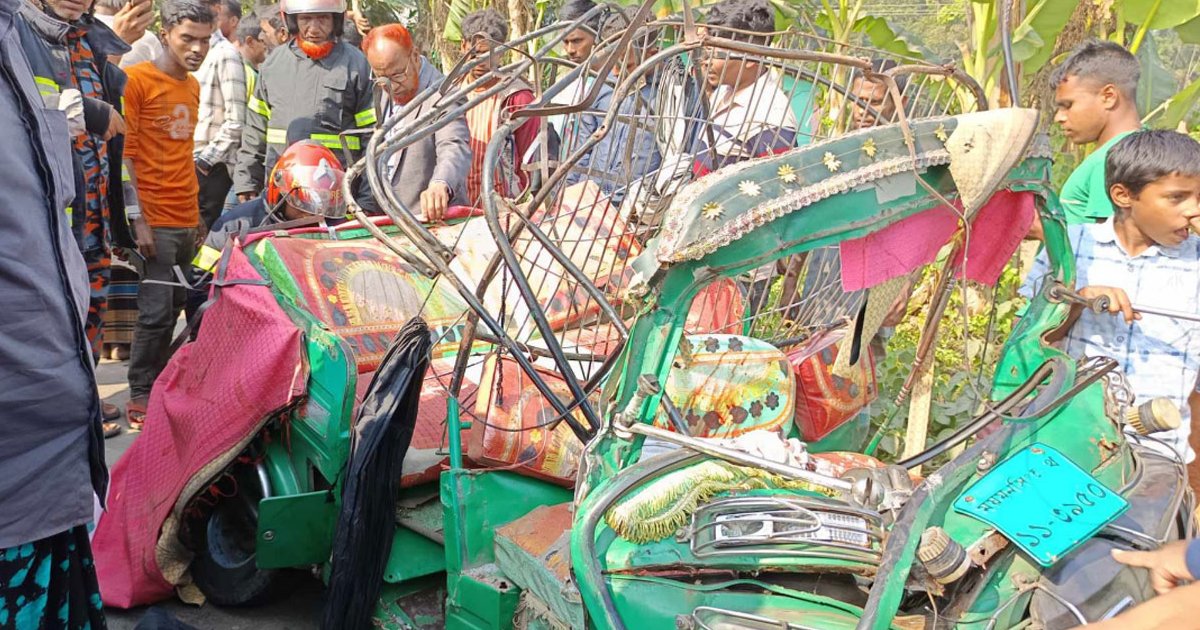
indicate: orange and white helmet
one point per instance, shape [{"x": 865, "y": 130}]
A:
[
  {"x": 297, "y": 7},
  {"x": 308, "y": 177}
]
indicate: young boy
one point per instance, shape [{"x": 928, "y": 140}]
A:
[
  {"x": 1143, "y": 255},
  {"x": 161, "y": 105},
  {"x": 1095, "y": 101}
]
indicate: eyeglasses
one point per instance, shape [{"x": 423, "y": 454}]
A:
[{"x": 394, "y": 78}]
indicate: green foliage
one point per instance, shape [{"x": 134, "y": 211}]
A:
[
  {"x": 972, "y": 336},
  {"x": 1160, "y": 14}
]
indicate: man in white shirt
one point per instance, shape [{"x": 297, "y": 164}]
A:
[
  {"x": 129, "y": 19},
  {"x": 222, "y": 113}
]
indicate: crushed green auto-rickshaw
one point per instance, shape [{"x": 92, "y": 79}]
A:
[{"x": 643, "y": 391}]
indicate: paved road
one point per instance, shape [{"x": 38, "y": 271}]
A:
[{"x": 301, "y": 610}]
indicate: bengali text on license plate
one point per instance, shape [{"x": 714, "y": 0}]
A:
[{"x": 1043, "y": 502}]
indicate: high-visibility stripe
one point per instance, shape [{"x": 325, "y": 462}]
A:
[
  {"x": 365, "y": 118},
  {"x": 45, "y": 86},
  {"x": 206, "y": 258},
  {"x": 70, "y": 218},
  {"x": 256, "y": 105},
  {"x": 276, "y": 136},
  {"x": 122, "y": 112},
  {"x": 251, "y": 79},
  {"x": 334, "y": 142},
  {"x": 125, "y": 173}
]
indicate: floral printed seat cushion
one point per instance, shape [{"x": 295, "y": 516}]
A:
[{"x": 727, "y": 385}]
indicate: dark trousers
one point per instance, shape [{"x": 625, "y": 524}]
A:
[
  {"x": 213, "y": 189},
  {"x": 158, "y": 307}
]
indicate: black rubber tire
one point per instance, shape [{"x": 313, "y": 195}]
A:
[{"x": 224, "y": 567}]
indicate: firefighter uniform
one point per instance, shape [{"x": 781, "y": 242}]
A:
[{"x": 327, "y": 96}]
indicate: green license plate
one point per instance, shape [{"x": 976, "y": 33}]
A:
[{"x": 1043, "y": 502}]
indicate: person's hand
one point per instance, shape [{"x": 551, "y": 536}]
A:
[
  {"x": 144, "y": 236},
  {"x": 360, "y": 21},
  {"x": 203, "y": 167},
  {"x": 244, "y": 197},
  {"x": 201, "y": 234},
  {"x": 131, "y": 20},
  {"x": 116, "y": 125},
  {"x": 1118, "y": 301},
  {"x": 434, "y": 201},
  {"x": 1168, "y": 565}
]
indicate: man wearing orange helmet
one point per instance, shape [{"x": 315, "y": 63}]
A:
[
  {"x": 305, "y": 182},
  {"x": 318, "y": 79}
]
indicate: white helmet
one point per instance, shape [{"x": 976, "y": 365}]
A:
[{"x": 297, "y": 7}]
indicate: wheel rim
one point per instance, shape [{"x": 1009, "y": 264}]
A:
[{"x": 232, "y": 531}]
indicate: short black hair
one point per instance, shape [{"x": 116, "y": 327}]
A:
[
  {"x": 232, "y": 7},
  {"x": 486, "y": 22},
  {"x": 1144, "y": 157},
  {"x": 175, "y": 12},
  {"x": 618, "y": 20},
  {"x": 250, "y": 26},
  {"x": 755, "y": 16},
  {"x": 1103, "y": 62},
  {"x": 572, "y": 10},
  {"x": 880, "y": 65}
]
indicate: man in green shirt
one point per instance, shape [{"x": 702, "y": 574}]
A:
[{"x": 1095, "y": 101}]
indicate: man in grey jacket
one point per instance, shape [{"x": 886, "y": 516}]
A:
[
  {"x": 52, "y": 454},
  {"x": 430, "y": 174}
]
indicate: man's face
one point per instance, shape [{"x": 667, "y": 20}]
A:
[
  {"x": 226, "y": 21},
  {"x": 254, "y": 49},
  {"x": 69, "y": 10},
  {"x": 723, "y": 68},
  {"x": 578, "y": 45},
  {"x": 482, "y": 48},
  {"x": 1164, "y": 209},
  {"x": 315, "y": 28},
  {"x": 187, "y": 42},
  {"x": 292, "y": 213},
  {"x": 872, "y": 97},
  {"x": 270, "y": 36},
  {"x": 1081, "y": 107},
  {"x": 397, "y": 70}
]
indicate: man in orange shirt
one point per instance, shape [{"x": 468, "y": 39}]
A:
[{"x": 161, "y": 104}]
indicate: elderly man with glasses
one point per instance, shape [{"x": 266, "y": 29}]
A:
[{"x": 431, "y": 174}]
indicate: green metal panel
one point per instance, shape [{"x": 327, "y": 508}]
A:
[
  {"x": 480, "y": 600},
  {"x": 412, "y": 556},
  {"x": 645, "y": 602},
  {"x": 295, "y": 530},
  {"x": 477, "y": 502}
]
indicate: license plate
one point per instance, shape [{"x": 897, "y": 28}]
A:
[{"x": 1043, "y": 502}]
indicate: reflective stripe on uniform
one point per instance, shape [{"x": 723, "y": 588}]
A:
[
  {"x": 125, "y": 173},
  {"x": 276, "y": 136},
  {"x": 45, "y": 86},
  {"x": 365, "y": 118},
  {"x": 256, "y": 105},
  {"x": 206, "y": 258},
  {"x": 70, "y": 218},
  {"x": 334, "y": 142},
  {"x": 251, "y": 79}
]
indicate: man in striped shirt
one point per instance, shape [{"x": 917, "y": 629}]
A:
[
  {"x": 481, "y": 31},
  {"x": 218, "y": 134}
]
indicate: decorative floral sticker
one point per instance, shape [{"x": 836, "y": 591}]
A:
[
  {"x": 940, "y": 133},
  {"x": 711, "y": 211},
  {"x": 749, "y": 188},
  {"x": 869, "y": 147},
  {"x": 787, "y": 174},
  {"x": 831, "y": 162}
]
